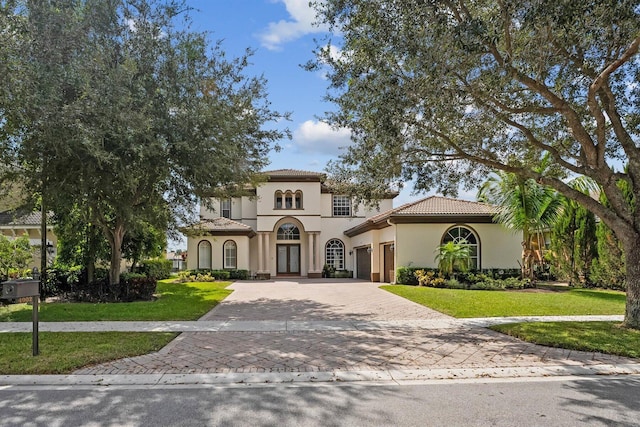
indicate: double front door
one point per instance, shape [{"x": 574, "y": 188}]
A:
[{"x": 288, "y": 259}]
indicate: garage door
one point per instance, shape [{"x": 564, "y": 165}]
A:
[{"x": 363, "y": 262}]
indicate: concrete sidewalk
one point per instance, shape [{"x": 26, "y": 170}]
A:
[{"x": 290, "y": 325}]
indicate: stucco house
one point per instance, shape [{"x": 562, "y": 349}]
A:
[
  {"x": 17, "y": 223},
  {"x": 295, "y": 223}
]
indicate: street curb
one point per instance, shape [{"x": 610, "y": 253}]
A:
[{"x": 388, "y": 376}]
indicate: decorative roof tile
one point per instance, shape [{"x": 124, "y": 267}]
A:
[
  {"x": 218, "y": 226},
  {"x": 436, "y": 205},
  {"x": 433, "y": 208},
  {"x": 293, "y": 173},
  {"x": 18, "y": 219}
]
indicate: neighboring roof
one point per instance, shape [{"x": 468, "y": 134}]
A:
[
  {"x": 433, "y": 209},
  {"x": 220, "y": 227},
  {"x": 21, "y": 219}
]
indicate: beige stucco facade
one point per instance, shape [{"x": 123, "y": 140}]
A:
[
  {"x": 369, "y": 242},
  {"x": 30, "y": 225}
]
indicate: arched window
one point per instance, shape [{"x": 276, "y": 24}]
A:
[
  {"x": 334, "y": 254},
  {"x": 204, "y": 255},
  {"x": 230, "y": 251},
  {"x": 287, "y": 200},
  {"x": 461, "y": 234},
  {"x": 288, "y": 231},
  {"x": 298, "y": 199}
]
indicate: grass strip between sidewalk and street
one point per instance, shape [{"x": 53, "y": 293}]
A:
[
  {"x": 64, "y": 352},
  {"x": 175, "y": 301},
  {"x": 468, "y": 304},
  {"x": 603, "y": 337}
]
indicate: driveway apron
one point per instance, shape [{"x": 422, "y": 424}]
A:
[{"x": 340, "y": 325}]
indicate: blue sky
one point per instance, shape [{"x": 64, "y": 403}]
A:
[{"x": 283, "y": 36}]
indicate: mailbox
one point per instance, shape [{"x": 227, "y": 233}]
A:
[{"x": 20, "y": 288}]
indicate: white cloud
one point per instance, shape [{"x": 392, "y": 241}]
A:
[
  {"x": 301, "y": 22},
  {"x": 319, "y": 137}
]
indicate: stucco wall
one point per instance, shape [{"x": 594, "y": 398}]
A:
[
  {"x": 416, "y": 245},
  {"x": 310, "y": 200},
  {"x": 243, "y": 251}
]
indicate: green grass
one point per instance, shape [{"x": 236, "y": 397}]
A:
[
  {"x": 62, "y": 353},
  {"x": 604, "y": 337},
  {"x": 176, "y": 301},
  {"x": 463, "y": 303}
]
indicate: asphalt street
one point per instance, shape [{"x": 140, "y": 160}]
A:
[{"x": 588, "y": 401}]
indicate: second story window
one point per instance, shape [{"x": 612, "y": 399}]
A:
[
  {"x": 225, "y": 208},
  {"x": 341, "y": 206},
  {"x": 298, "y": 199},
  {"x": 287, "y": 200}
]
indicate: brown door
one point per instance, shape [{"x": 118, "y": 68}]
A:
[
  {"x": 388, "y": 264},
  {"x": 288, "y": 259},
  {"x": 363, "y": 262}
]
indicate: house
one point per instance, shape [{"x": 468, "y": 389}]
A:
[
  {"x": 14, "y": 224},
  {"x": 177, "y": 260},
  {"x": 295, "y": 223}
]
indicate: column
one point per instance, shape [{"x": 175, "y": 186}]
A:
[
  {"x": 317, "y": 251},
  {"x": 267, "y": 255},
  {"x": 260, "y": 254},
  {"x": 311, "y": 266}
]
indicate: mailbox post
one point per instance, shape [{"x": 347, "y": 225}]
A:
[{"x": 20, "y": 289}]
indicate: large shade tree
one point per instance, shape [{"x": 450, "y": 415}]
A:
[
  {"x": 117, "y": 108},
  {"x": 443, "y": 91}
]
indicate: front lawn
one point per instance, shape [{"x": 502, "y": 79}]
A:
[
  {"x": 604, "y": 337},
  {"x": 176, "y": 301},
  {"x": 63, "y": 353},
  {"x": 464, "y": 303}
]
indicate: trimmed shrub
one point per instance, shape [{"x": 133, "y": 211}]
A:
[
  {"x": 158, "y": 268},
  {"x": 211, "y": 275},
  {"x": 406, "y": 275}
]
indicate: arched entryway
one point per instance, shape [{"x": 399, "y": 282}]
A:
[{"x": 288, "y": 250}]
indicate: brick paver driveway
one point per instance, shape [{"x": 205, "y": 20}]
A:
[{"x": 398, "y": 346}]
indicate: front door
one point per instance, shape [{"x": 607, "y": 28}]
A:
[
  {"x": 389, "y": 273},
  {"x": 288, "y": 259}
]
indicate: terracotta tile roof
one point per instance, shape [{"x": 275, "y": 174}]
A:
[
  {"x": 218, "y": 225},
  {"x": 17, "y": 219},
  {"x": 293, "y": 173},
  {"x": 435, "y": 207}
]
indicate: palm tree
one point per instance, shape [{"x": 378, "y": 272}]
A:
[
  {"x": 523, "y": 206},
  {"x": 453, "y": 256}
]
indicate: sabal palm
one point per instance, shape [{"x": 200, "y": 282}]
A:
[{"x": 523, "y": 205}]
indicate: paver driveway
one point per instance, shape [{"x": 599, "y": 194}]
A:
[
  {"x": 316, "y": 299},
  {"x": 400, "y": 345}
]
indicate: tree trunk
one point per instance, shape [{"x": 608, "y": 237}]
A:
[
  {"x": 115, "y": 240},
  {"x": 527, "y": 256},
  {"x": 632, "y": 263}
]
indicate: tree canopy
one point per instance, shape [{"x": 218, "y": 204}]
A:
[
  {"x": 442, "y": 92},
  {"x": 117, "y": 108}
]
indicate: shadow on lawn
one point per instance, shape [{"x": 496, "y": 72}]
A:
[{"x": 606, "y": 296}]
